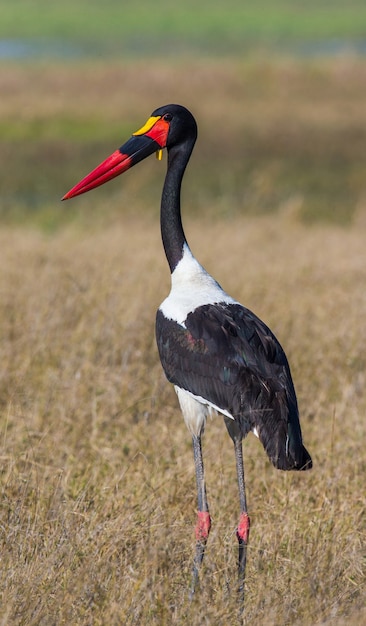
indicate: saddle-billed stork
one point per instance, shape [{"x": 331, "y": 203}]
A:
[{"x": 219, "y": 356}]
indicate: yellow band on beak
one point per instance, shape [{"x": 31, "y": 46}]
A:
[{"x": 148, "y": 126}]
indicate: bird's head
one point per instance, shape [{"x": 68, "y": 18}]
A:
[
  {"x": 168, "y": 127},
  {"x": 182, "y": 125}
]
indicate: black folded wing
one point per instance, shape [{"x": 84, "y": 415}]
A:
[{"x": 230, "y": 358}]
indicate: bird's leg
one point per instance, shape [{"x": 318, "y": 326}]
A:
[
  {"x": 203, "y": 524},
  {"x": 242, "y": 532}
]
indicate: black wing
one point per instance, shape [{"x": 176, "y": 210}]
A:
[{"x": 228, "y": 356}]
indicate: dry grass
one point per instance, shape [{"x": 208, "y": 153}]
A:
[{"x": 97, "y": 482}]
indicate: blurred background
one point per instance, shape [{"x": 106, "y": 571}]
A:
[{"x": 278, "y": 90}]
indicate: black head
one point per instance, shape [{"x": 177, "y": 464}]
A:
[{"x": 182, "y": 125}]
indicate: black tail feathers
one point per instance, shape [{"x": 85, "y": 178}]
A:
[
  {"x": 302, "y": 461},
  {"x": 286, "y": 450},
  {"x": 284, "y": 461}
]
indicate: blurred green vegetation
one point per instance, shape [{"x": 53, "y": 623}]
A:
[
  {"x": 272, "y": 136},
  {"x": 140, "y": 27},
  {"x": 276, "y": 132}
]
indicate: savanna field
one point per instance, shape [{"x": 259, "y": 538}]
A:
[{"x": 98, "y": 495}]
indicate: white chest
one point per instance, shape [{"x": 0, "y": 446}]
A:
[{"x": 191, "y": 287}]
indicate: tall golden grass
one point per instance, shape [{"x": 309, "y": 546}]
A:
[
  {"x": 97, "y": 478},
  {"x": 98, "y": 495}
]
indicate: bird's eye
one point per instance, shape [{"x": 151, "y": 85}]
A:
[{"x": 168, "y": 117}]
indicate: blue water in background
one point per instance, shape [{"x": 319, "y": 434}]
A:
[
  {"x": 33, "y": 49},
  {"x": 23, "y": 49}
]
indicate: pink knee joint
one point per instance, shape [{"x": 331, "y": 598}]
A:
[
  {"x": 203, "y": 525},
  {"x": 242, "y": 532}
]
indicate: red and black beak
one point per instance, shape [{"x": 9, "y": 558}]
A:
[{"x": 152, "y": 137}]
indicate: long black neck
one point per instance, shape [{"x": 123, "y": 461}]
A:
[{"x": 170, "y": 216}]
